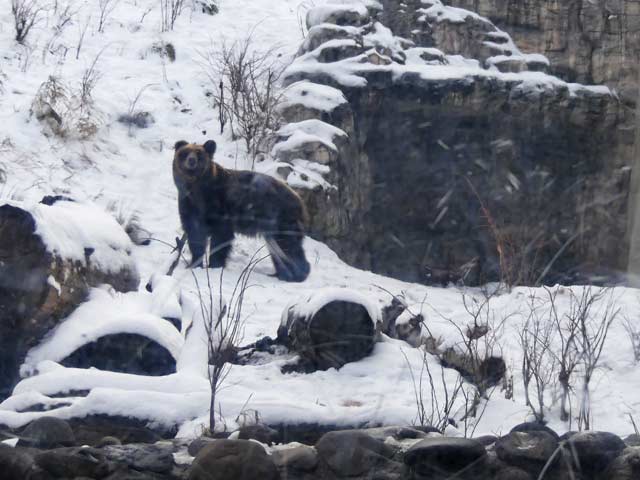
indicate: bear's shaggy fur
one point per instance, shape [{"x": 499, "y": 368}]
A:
[{"x": 218, "y": 203}]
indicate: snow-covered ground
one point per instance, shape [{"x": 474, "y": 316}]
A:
[{"x": 131, "y": 168}]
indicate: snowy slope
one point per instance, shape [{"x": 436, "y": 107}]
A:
[{"x": 132, "y": 167}]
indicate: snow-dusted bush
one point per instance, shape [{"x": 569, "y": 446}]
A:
[
  {"x": 65, "y": 111},
  {"x": 25, "y": 15},
  {"x": 170, "y": 10},
  {"x": 105, "y": 9},
  {"x": 244, "y": 88}
]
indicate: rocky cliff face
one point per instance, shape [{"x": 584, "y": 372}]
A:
[
  {"x": 457, "y": 157},
  {"x": 586, "y": 41}
]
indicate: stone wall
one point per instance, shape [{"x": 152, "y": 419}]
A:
[{"x": 464, "y": 160}]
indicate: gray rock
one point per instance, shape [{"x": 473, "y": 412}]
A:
[
  {"x": 73, "y": 462},
  {"x": 15, "y": 464},
  {"x": 198, "y": 444},
  {"x": 445, "y": 456},
  {"x": 156, "y": 458},
  {"x": 47, "y": 432},
  {"x": 350, "y": 453},
  {"x": 297, "y": 459},
  {"x": 593, "y": 451},
  {"x": 535, "y": 427},
  {"x": 261, "y": 433},
  {"x": 527, "y": 450},
  {"x": 233, "y": 460},
  {"x": 625, "y": 466},
  {"x": 632, "y": 440}
]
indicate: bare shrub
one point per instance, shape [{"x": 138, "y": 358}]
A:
[
  {"x": 477, "y": 342},
  {"x": 129, "y": 220},
  {"x": 82, "y": 31},
  {"x": 66, "y": 111},
  {"x": 633, "y": 331},
  {"x": 433, "y": 411},
  {"x": 593, "y": 329},
  {"x": 64, "y": 18},
  {"x": 245, "y": 91},
  {"x": 134, "y": 116},
  {"x": 170, "y": 10},
  {"x": 538, "y": 361},
  {"x": 105, "y": 9},
  {"x": 224, "y": 326},
  {"x": 26, "y": 14}
]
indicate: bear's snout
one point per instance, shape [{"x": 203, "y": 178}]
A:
[{"x": 191, "y": 162}]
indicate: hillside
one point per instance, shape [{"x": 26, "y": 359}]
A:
[{"x": 126, "y": 170}]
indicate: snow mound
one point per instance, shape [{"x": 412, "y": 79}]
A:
[
  {"x": 71, "y": 229},
  {"x": 106, "y": 314}
]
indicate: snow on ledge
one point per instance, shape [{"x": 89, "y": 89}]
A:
[{"x": 313, "y": 95}]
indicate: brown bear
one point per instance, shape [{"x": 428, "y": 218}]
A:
[{"x": 218, "y": 203}]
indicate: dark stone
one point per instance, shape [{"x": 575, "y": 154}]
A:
[
  {"x": 340, "y": 332},
  {"x": 527, "y": 450},
  {"x": 126, "y": 353},
  {"x": 156, "y": 458},
  {"x": 307, "y": 433},
  {"x": 536, "y": 427},
  {"x": 445, "y": 456},
  {"x": 262, "y": 433},
  {"x": 198, "y": 444},
  {"x": 51, "y": 199},
  {"x": 108, "y": 441},
  {"x": 593, "y": 451},
  {"x": 15, "y": 464},
  {"x": 233, "y": 460},
  {"x": 632, "y": 440},
  {"x": 512, "y": 473},
  {"x": 486, "y": 440},
  {"x": 47, "y": 432},
  {"x": 92, "y": 429},
  {"x": 73, "y": 462},
  {"x": 296, "y": 459},
  {"x": 625, "y": 466},
  {"x": 137, "y": 119},
  {"x": 351, "y": 452}
]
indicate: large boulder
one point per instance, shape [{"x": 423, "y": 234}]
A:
[
  {"x": 593, "y": 451},
  {"x": 624, "y": 467},
  {"x": 330, "y": 328},
  {"x": 529, "y": 451},
  {"x": 444, "y": 457},
  {"x": 52, "y": 254},
  {"x": 47, "y": 432},
  {"x": 352, "y": 453},
  {"x": 233, "y": 460}
]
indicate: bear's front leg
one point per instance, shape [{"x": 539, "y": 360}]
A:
[
  {"x": 196, "y": 234},
  {"x": 221, "y": 241}
]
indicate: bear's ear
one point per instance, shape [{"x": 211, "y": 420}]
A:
[
  {"x": 210, "y": 147},
  {"x": 180, "y": 144}
]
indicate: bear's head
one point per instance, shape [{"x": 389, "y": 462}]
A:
[{"x": 192, "y": 161}]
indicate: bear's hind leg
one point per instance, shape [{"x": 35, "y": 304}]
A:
[
  {"x": 221, "y": 243},
  {"x": 288, "y": 257}
]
